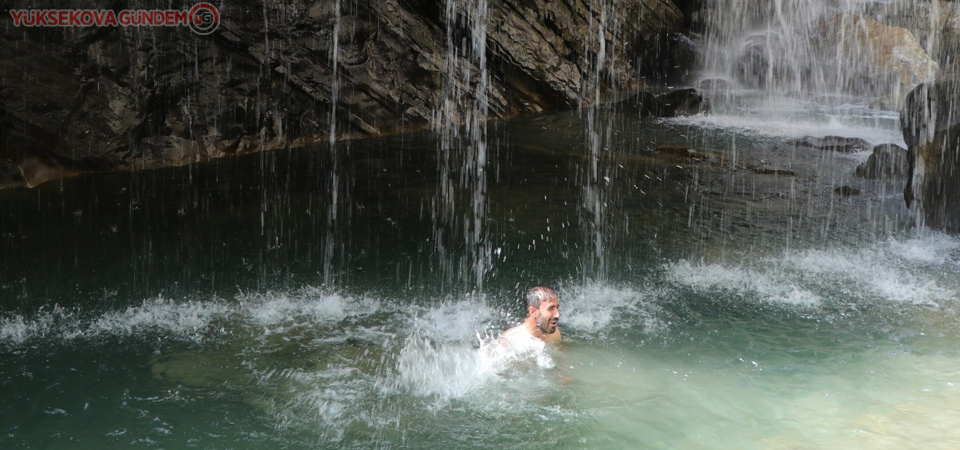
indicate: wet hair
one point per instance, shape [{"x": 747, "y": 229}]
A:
[{"x": 538, "y": 294}]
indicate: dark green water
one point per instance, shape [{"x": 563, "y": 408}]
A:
[{"x": 216, "y": 306}]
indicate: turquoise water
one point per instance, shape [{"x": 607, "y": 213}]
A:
[{"x": 186, "y": 308}]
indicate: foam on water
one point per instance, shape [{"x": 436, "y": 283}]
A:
[
  {"x": 189, "y": 319},
  {"x": 271, "y": 312},
  {"x": 880, "y": 128},
  {"x": 595, "y": 308},
  {"x": 766, "y": 283},
  {"x": 920, "y": 270},
  {"x": 457, "y": 321}
]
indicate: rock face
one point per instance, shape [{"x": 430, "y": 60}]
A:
[
  {"x": 681, "y": 102},
  {"x": 871, "y": 58},
  {"x": 843, "y": 53},
  {"x": 838, "y": 144},
  {"x": 931, "y": 129},
  {"x": 888, "y": 161},
  {"x": 936, "y": 24},
  {"x": 280, "y": 74}
]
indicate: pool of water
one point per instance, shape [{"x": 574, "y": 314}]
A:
[{"x": 216, "y": 306}]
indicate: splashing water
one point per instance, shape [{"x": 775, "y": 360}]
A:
[{"x": 816, "y": 68}]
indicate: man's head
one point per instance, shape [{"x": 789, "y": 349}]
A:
[{"x": 543, "y": 305}]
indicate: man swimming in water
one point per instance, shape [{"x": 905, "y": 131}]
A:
[{"x": 543, "y": 313}]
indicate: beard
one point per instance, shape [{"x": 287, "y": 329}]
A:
[{"x": 548, "y": 326}]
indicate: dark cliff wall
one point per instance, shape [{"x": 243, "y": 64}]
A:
[
  {"x": 88, "y": 99},
  {"x": 931, "y": 130}
]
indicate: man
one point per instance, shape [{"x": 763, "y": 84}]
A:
[{"x": 543, "y": 313}]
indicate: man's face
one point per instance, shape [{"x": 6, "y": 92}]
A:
[{"x": 547, "y": 315}]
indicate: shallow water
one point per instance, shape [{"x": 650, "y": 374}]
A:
[{"x": 186, "y": 308}]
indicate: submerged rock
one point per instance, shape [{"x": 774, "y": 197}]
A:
[
  {"x": 832, "y": 143},
  {"x": 768, "y": 170},
  {"x": 684, "y": 152},
  {"x": 886, "y": 161}
]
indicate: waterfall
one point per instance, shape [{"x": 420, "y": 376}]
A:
[
  {"x": 460, "y": 207},
  {"x": 338, "y": 208},
  {"x": 595, "y": 176},
  {"x": 826, "y": 51}
]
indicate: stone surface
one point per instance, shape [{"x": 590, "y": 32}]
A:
[
  {"x": 93, "y": 99},
  {"x": 872, "y": 58},
  {"x": 888, "y": 161},
  {"x": 936, "y": 24},
  {"x": 680, "y": 102},
  {"x": 846, "y": 191},
  {"x": 832, "y": 143},
  {"x": 764, "y": 60},
  {"x": 931, "y": 129},
  {"x": 767, "y": 170}
]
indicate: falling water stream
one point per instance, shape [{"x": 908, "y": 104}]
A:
[{"x": 736, "y": 309}]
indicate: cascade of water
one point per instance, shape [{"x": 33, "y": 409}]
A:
[
  {"x": 815, "y": 50},
  {"x": 463, "y": 249},
  {"x": 595, "y": 177},
  {"x": 338, "y": 208},
  {"x": 759, "y": 44}
]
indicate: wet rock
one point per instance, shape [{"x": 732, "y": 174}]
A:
[
  {"x": 120, "y": 98},
  {"x": 765, "y": 59},
  {"x": 681, "y": 102},
  {"x": 846, "y": 191},
  {"x": 715, "y": 84},
  {"x": 886, "y": 161},
  {"x": 685, "y": 152},
  {"x": 870, "y": 58},
  {"x": 936, "y": 27},
  {"x": 767, "y": 170},
  {"x": 950, "y": 71},
  {"x": 674, "y": 63},
  {"x": 199, "y": 371},
  {"x": 35, "y": 172},
  {"x": 832, "y": 143},
  {"x": 931, "y": 129}
]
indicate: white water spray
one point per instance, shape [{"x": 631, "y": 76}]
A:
[{"x": 460, "y": 207}]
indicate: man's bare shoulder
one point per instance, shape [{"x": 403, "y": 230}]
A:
[{"x": 518, "y": 332}]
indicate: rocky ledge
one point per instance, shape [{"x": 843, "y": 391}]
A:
[{"x": 279, "y": 74}]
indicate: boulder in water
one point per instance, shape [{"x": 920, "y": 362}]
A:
[
  {"x": 931, "y": 129},
  {"x": 886, "y": 161},
  {"x": 770, "y": 170},
  {"x": 684, "y": 152},
  {"x": 833, "y": 143}
]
